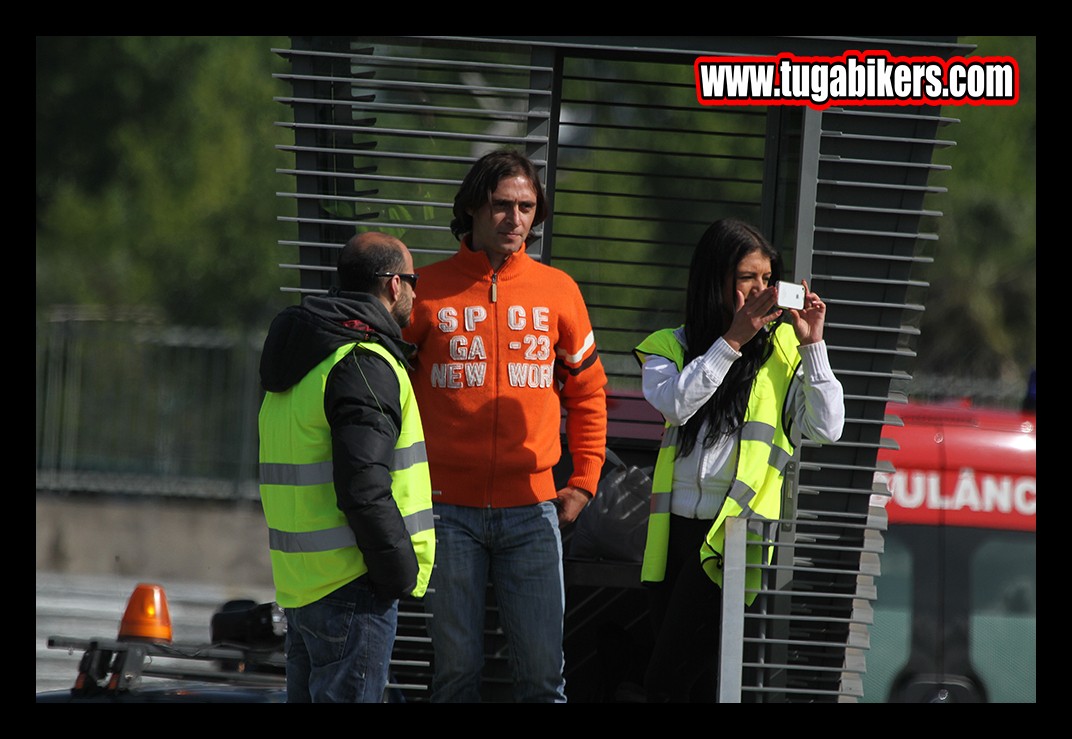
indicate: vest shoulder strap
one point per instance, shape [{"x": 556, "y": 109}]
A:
[{"x": 662, "y": 343}]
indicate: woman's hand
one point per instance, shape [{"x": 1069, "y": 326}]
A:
[
  {"x": 752, "y": 314},
  {"x": 809, "y": 321}
]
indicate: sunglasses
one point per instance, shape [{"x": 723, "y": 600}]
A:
[{"x": 410, "y": 277}]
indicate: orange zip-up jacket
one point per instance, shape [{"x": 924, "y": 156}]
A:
[{"x": 499, "y": 356}]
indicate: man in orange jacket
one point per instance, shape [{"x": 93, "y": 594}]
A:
[{"x": 504, "y": 345}]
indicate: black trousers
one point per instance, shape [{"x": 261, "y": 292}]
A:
[{"x": 686, "y": 613}]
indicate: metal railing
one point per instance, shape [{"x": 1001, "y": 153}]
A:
[{"x": 132, "y": 406}]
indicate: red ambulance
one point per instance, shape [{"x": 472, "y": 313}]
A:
[{"x": 955, "y": 617}]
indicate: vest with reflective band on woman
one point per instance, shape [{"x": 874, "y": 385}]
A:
[
  {"x": 313, "y": 549},
  {"x": 765, "y": 450}
]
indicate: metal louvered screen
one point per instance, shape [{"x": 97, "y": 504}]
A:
[
  {"x": 872, "y": 170},
  {"x": 386, "y": 127}
]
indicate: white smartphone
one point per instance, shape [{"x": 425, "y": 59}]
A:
[{"x": 790, "y": 295}]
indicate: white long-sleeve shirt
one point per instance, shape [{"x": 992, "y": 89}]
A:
[{"x": 702, "y": 479}]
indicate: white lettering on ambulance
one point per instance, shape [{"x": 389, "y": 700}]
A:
[
  {"x": 914, "y": 496},
  {"x": 966, "y": 492},
  {"x": 1023, "y": 495},
  {"x": 972, "y": 492}
]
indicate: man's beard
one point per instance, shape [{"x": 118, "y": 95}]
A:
[{"x": 402, "y": 311}]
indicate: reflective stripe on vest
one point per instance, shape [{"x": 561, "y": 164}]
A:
[
  {"x": 312, "y": 547},
  {"x": 765, "y": 451}
]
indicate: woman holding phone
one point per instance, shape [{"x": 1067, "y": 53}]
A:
[{"x": 738, "y": 389}]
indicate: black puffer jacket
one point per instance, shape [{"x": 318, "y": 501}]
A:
[{"x": 362, "y": 409}]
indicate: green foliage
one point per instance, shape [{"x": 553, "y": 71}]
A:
[
  {"x": 156, "y": 176},
  {"x": 156, "y": 186},
  {"x": 981, "y": 311}
]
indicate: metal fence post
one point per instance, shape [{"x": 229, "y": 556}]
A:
[{"x": 731, "y": 650}]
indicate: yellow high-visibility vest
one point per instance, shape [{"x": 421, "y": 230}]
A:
[
  {"x": 312, "y": 547},
  {"x": 765, "y": 451}
]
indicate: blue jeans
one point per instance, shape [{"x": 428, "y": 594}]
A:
[
  {"x": 520, "y": 550},
  {"x": 339, "y": 647}
]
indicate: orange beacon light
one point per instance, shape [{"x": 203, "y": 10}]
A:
[{"x": 147, "y": 616}]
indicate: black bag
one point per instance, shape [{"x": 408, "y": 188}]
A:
[
  {"x": 614, "y": 526},
  {"x": 248, "y": 623}
]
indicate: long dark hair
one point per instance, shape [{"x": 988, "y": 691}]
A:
[{"x": 722, "y": 247}]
